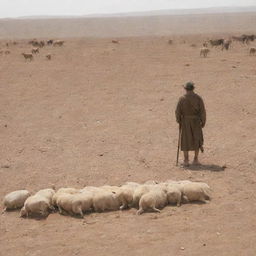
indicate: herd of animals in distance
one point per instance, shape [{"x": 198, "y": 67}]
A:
[{"x": 224, "y": 44}]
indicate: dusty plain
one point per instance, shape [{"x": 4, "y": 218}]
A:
[{"x": 103, "y": 113}]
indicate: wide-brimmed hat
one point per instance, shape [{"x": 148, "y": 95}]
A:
[{"x": 189, "y": 86}]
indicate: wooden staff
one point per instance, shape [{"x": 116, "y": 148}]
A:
[{"x": 178, "y": 149}]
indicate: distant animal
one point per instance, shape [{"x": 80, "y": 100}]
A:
[
  {"x": 50, "y": 42},
  {"x": 35, "y": 50},
  {"x": 205, "y": 44},
  {"x": 226, "y": 44},
  {"x": 7, "y": 52},
  {"x": 48, "y": 56},
  {"x": 216, "y": 42},
  {"x": 28, "y": 56},
  {"x": 204, "y": 52},
  {"x": 58, "y": 43},
  {"x": 115, "y": 41},
  {"x": 41, "y": 44},
  {"x": 170, "y": 41},
  {"x": 243, "y": 38},
  {"x": 252, "y": 51}
]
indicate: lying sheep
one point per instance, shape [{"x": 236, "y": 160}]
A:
[
  {"x": 38, "y": 204},
  {"x": 154, "y": 200},
  {"x": 139, "y": 192},
  {"x": 151, "y": 182},
  {"x": 174, "y": 195},
  {"x": 63, "y": 190},
  {"x": 75, "y": 204},
  {"x": 204, "y": 52},
  {"x": 15, "y": 199},
  {"x": 28, "y": 56},
  {"x": 105, "y": 200},
  {"x": 196, "y": 191},
  {"x": 48, "y": 193}
]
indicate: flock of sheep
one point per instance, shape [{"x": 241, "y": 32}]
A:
[
  {"x": 36, "y": 48},
  {"x": 226, "y": 43},
  {"x": 150, "y": 196}
]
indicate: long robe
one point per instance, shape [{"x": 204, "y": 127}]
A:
[{"x": 191, "y": 115}]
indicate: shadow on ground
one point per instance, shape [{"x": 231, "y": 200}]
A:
[{"x": 208, "y": 167}]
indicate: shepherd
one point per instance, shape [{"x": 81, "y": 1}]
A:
[{"x": 191, "y": 117}]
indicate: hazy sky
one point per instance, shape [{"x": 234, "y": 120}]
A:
[{"x": 15, "y": 8}]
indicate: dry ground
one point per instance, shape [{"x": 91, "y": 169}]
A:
[{"x": 102, "y": 113}]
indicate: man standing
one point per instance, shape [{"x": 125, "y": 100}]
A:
[{"x": 191, "y": 116}]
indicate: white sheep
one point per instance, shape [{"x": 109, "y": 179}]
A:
[
  {"x": 151, "y": 182},
  {"x": 105, "y": 200},
  {"x": 196, "y": 191},
  {"x": 73, "y": 204},
  {"x": 174, "y": 194},
  {"x": 154, "y": 200},
  {"x": 63, "y": 190},
  {"x": 139, "y": 192},
  {"x": 48, "y": 193},
  {"x": 36, "y": 205},
  {"x": 15, "y": 199}
]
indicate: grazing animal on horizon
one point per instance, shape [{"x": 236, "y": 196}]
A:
[
  {"x": 226, "y": 44},
  {"x": 48, "y": 56},
  {"x": 204, "y": 52},
  {"x": 50, "y": 42},
  {"x": 58, "y": 43},
  {"x": 252, "y": 51},
  {"x": 28, "y": 56},
  {"x": 35, "y": 50},
  {"x": 216, "y": 42},
  {"x": 115, "y": 41}
]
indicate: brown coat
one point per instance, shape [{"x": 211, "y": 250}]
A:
[{"x": 191, "y": 115}]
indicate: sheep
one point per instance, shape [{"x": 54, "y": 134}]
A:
[
  {"x": 105, "y": 200},
  {"x": 77, "y": 203},
  {"x": 48, "y": 56},
  {"x": 151, "y": 182},
  {"x": 174, "y": 194},
  {"x": 140, "y": 191},
  {"x": 204, "y": 52},
  {"x": 35, "y": 50},
  {"x": 252, "y": 51},
  {"x": 226, "y": 44},
  {"x": 28, "y": 56},
  {"x": 48, "y": 193},
  {"x": 50, "y": 42},
  {"x": 15, "y": 199},
  {"x": 36, "y": 205},
  {"x": 63, "y": 190},
  {"x": 153, "y": 200},
  {"x": 58, "y": 43},
  {"x": 195, "y": 191},
  {"x": 216, "y": 42}
]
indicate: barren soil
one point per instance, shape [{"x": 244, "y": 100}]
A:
[{"x": 103, "y": 113}]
